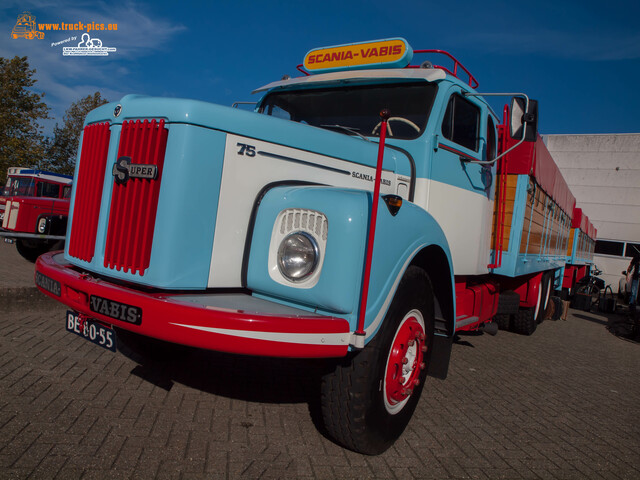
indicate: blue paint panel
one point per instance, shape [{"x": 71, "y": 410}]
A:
[
  {"x": 339, "y": 287},
  {"x": 446, "y": 166},
  {"x": 186, "y": 213},
  {"x": 249, "y": 124},
  {"x": 399, "y": 239},
  {"x": 575, "y": 259}
]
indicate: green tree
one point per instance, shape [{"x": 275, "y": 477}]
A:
[
  {"x": 64, "y": 148},
  {"x": 22, "y": 143}
]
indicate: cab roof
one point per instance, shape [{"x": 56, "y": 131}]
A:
[{"x": 428, "y": 74}]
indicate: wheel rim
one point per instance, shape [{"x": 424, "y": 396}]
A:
[
  {"x": 405, "y": 361},
  {"x": 547, "y": 296},
  {"x": 535, "y": 313}
]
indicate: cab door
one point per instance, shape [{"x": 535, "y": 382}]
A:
[{"x": 461, "y": 190}]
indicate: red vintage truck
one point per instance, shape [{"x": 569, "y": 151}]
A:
[
  {"x": 34, "y": 207},
  {"x": 364, "y": 213}
]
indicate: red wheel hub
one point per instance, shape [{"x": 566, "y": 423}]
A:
[{"x": 406, "y": 360}]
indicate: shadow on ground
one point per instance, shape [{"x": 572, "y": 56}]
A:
[{"x": 622, "y": 323}]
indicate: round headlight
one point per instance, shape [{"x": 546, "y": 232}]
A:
[
  {"x": 42, "y": 225},
  {"x": 297, "y": 256}
]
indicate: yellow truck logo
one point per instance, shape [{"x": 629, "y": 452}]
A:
[{"x": 25, "y": 27}]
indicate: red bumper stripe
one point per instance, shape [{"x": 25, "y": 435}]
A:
[{"x": 184, "y": 322}]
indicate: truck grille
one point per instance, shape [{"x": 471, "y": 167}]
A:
[
  {"x": 132, "y": 216},
  {"x": 93, "y": 159}
]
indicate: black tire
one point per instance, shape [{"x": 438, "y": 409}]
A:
[
  {"x": 364, "y": 406},
  {"x": 524, "y": 321},
  {"x": 31, "y": 250},
  {"x": 508, "y": 302},
  {"x": 149, "y": 348},
  {"x": 503, "y": 320}
]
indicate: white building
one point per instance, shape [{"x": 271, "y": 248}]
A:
[{"x": 603, "y": 172}]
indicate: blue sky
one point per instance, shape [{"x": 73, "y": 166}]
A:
[{"x": 580, "y": 59}]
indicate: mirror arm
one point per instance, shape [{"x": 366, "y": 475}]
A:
[{"x": 524, "y": 129}]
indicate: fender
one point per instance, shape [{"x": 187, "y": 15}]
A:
[{"x": 399, "y": 240}]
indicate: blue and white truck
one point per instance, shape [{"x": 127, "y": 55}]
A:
[{"x": 349, "y": 217}]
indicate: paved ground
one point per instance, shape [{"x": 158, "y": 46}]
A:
[{"x": 563, "y": 403}]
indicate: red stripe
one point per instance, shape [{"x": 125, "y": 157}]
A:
[
  {"x": 132, "y": 214},
  {"x": 162, "y": 313},
  {"x": 93, "y": 158}
]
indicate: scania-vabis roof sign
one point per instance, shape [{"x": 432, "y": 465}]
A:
[{"x": 389, "y": 53}]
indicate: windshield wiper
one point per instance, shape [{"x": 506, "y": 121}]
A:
[{"x": 349, "y": 130}]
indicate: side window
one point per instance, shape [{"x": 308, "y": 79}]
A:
[
  {"x": 51, "y": 190},
  {"x": 67, "y": 192},
  {"x": 461, "y": 122},
  {"x": 491, "y": 138}
]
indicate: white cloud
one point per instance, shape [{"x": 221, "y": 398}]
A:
[{"x": 67, "y": 79}]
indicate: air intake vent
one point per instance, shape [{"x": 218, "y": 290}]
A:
[
  {"x": 134, "y": 200},
  {"x": 88, "y": 190}
]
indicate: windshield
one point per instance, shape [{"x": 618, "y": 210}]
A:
[
  {"x": 19, "y": 187},
  {"x": 357, "y": 108}
]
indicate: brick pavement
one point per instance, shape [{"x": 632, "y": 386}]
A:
[
  {"x": 15, "y": 271},
  {"x": 560, "y": 404},
  {"x": 16, "y": 278}
]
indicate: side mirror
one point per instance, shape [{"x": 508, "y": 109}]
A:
[
  {"x": 520, "y": 118},
  {"x": 624, "y": 272}
]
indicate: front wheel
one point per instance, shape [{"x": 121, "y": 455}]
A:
[{"x": 369, "y": 398}]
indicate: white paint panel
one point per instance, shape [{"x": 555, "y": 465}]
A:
[
  {"x": 11, "y": 217},
  {"x": 465, "y": 218},
  {"x": 244, "y": 176},
  {"x": 329, "y": 339}
]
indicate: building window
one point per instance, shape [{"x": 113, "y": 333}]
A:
[
  {"x": 609, "y": 247},
  {"x": 632, "y": 249}
]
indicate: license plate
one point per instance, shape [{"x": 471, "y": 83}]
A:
[{"x": 91, "y": 330}]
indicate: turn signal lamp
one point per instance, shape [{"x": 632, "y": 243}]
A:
[{"x": 393, "y": 202}]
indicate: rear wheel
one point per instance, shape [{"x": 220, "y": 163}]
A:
[{"x": 369, "y": 398}]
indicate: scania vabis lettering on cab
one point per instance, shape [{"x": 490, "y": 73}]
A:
[{"x": 314, "y": 226}]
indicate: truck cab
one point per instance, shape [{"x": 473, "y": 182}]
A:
[{"x": 34, "y": 205}]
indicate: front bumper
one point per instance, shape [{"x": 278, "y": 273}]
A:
[
  {"x": 226, "y": 322},
  {"x": 30, "y": 236}
]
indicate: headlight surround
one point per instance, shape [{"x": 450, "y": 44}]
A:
[
  {"x": 42, "y": 225},
  {"x": 298, "y": 256}
]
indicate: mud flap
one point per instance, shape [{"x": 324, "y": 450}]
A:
[{"x": 439, "y": 363}]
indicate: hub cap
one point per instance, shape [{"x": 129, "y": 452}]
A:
[{"x": 405, "y": 362}]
